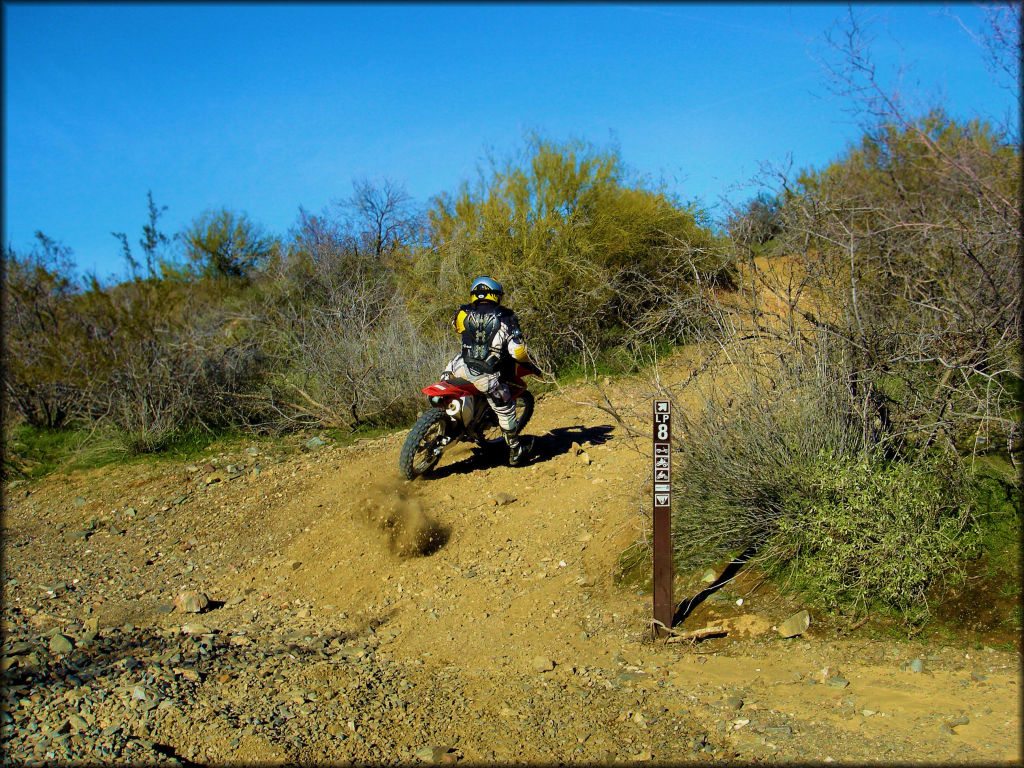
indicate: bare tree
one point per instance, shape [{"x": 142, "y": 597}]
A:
[
  {"x": 150, "y": 242},
  {"x": 347, "y": 352},
  {"x": 914, "y": 240},
  {"x": 1000, "y": 41},
  {"x": 384, "y": 215}
]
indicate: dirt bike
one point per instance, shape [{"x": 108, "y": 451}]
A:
[{"x": 459, "y": 411}]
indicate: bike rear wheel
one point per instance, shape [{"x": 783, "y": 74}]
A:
[
  {"x": 493, "y": 436},
  {"x": 419, "y": 454}
]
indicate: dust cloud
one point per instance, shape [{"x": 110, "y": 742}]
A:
[{"x": 392, "y": 509}]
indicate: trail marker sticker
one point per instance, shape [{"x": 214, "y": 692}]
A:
[{"x": 664, "y": 607}]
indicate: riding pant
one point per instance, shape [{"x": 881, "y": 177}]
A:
[{"x": 499, "y": 397}]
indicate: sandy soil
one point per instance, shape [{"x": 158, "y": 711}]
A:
[{"x": 467, "y": 583}]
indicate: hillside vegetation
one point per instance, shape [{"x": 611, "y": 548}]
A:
[{"x": 857, "y": 327}]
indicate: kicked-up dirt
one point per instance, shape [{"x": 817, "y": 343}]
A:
[{"x": 470, "y": 617}]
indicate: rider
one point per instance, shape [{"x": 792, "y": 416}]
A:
[{"x": 492, "y": 344}]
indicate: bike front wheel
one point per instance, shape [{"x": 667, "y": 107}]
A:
[{"x": 421, "y": 453}]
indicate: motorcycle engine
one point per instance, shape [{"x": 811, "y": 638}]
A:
[{"x": 465, "y": 410}]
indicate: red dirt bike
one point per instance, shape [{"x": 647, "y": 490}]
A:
[{"x": 459, "y": 411}]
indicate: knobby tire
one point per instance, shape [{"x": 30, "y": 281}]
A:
[{"x": 418, "y": 433}]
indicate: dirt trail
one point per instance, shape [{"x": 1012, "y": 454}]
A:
[{"x": 483, "y": 599}]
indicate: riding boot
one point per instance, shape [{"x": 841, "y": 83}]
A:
[{"x": 519, "y": 448}]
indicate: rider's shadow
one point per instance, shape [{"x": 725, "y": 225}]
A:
[{"x": 555, "y": 442}]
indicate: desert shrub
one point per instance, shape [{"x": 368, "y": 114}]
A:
[
  {"x": 227, "y": 245},
  {"x": 775, "y": 463},
  {"x": 166, "y": 389},
  {"x": 586, "y": 251},
  {"x": 168, "y": 356},
  {"x": 344, "y": 348},
  {"x": 739, "y": 454},
  {"x": 863, "y": 531},
  {"x": 909, "y": 248},
  {"x": 45, "y": 366},
  {"x": 784, "y": 477}
]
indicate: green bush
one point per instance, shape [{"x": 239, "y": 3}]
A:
[
  {"x": 739, "y": 456},
  {"x": 590, "y": 256},
  {"x": 778, "y": 464},
  {"x": 863, "y": 531}
]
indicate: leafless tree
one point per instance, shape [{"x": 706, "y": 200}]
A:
[
  {"x": 346, "y": 347},
  {"x": 385, "y": 215}
]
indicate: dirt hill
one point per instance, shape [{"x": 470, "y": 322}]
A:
[{"x": 469, "y": 617}]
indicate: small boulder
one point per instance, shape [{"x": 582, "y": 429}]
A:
[
  {"x": 61, "y": 644},
  {"x": 795, "y": 625},
  {"x": 542, "y": 664},
  {"x": 191, "y": 602},
  {"x": 434, "y": 754}
]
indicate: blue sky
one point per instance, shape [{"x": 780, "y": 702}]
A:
[{"x": 265, "y": 108}]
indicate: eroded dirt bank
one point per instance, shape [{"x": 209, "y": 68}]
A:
[{"x": 471, "y": 618}]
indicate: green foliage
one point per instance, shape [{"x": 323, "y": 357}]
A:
[
  {"x": 33, "y": 451},
  {"x": 757, "y": 223},
  {"x": 584, "y": 251},
  {"x": 611, "y": 361},
  {"x": 226, "y": 244},
  {"x": 866, "y": 532},
  {"x": 45, "y": 365},
  {"x": 741, "y": 452},
  {"x": 998, "y": 500},
  {"x": 776, "y": 462}
]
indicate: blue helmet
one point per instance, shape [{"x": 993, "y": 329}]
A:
[{"x": 486, "y": 289}]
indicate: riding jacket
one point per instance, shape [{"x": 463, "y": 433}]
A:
[{"x": 490, "y": 336}]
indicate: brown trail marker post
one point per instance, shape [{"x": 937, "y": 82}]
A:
[{"x": 664, "y": 606}]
